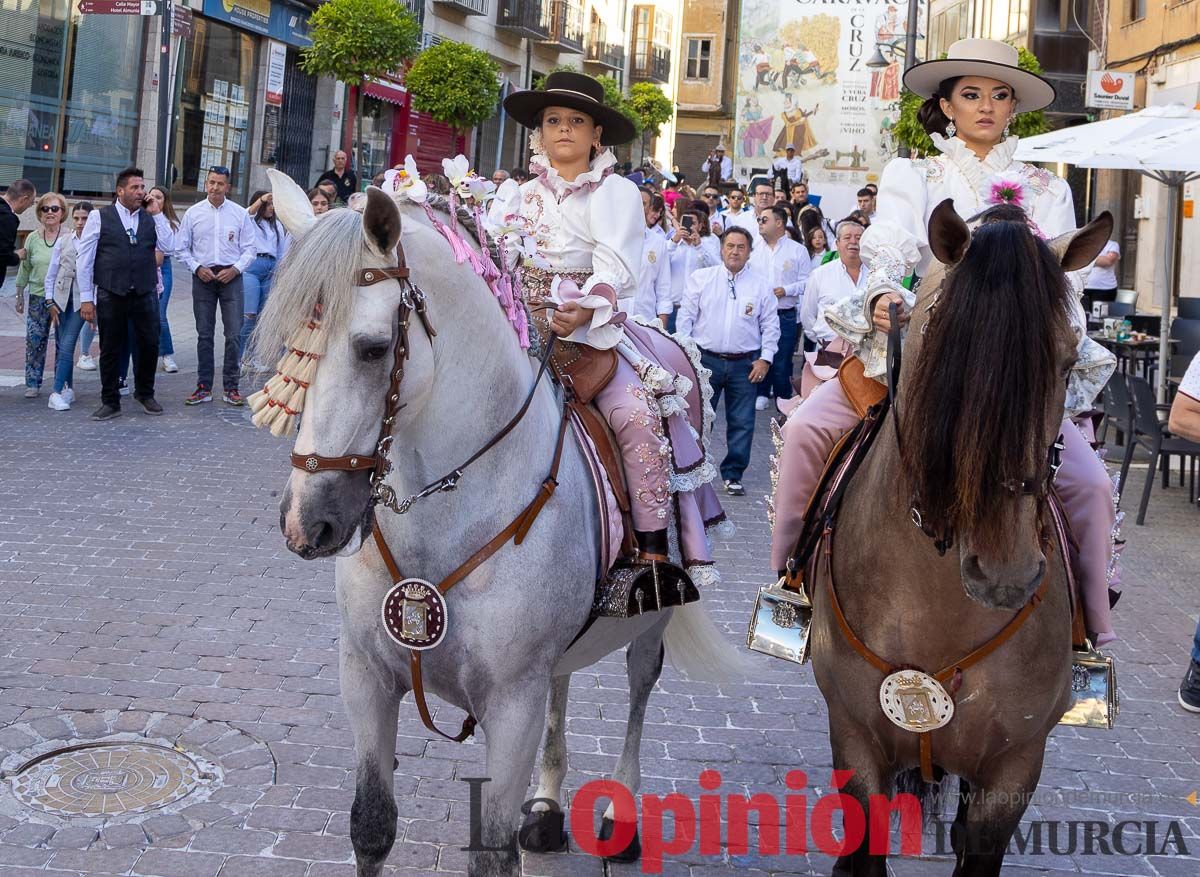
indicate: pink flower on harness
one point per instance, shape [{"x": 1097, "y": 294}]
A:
[{"x": 1006, "y": 190}]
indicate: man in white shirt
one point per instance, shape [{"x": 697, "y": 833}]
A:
[
  {"x": 652, "y": 299},
  {"x": 217, "y": 242},
  {"x": 719, "y": 161},
  {"x": 117, "y": 272},
  {"x": 788, "y": 168},
  {"x": 866, "y": 202},
  {"x": 785, "y": 265},
  {"x": 730, "y": 312},
  {"x": 1101, "y": 283},
  {"x": 827, "y": 285}
]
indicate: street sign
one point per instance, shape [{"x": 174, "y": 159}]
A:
[
  {"x": 1110, "y": 89},
  {"x": 120, "y": 7}
]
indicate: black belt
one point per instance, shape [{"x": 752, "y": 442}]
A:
[
  {"x": 729, "y": 356},
  {"x": 266, "y": 255},
  {"x": 786, "y": 311}
]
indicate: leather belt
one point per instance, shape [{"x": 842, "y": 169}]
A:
[
  {"x": 732, "y": 357},
  {"x": 790, "y": 310}
]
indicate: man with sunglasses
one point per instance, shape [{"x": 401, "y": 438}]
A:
[
  {"x": 217, "y": 242},
  {"x": 711, "y": 196},
  {"x": 17, "y": 199},
  {"x": 117, "y": 271}
]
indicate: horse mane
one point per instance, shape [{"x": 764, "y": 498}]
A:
[{"x": 976, "y": 404}]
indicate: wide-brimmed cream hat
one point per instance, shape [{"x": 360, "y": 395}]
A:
[{"x": 990, "y": 58}]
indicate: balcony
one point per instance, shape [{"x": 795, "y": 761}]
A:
[
  {"x": 417, "y": 8},
  {"x": 525, "y": 18},
  {"x": 467, "y": 7},
  {"x": 566, "y": 26},
  {"x": 604, "y": 54},
  {"x": 653, "y": 65}
]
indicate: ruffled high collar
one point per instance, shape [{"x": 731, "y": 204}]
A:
[
  {"x": 976, "y": 171},
  {"x": 602, "y": 165}
]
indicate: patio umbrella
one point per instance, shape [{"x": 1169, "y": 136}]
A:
[{"x": 1162, "y": 143}]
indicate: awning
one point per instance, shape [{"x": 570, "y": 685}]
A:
[{"x": 386, "y": 91}]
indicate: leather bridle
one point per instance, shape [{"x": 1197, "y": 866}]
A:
[{"x": 379, "y": 465}]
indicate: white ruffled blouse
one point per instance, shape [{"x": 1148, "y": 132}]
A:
[
  {"x": 594, "y": 223},
  {"x": 897, "y": 244}
]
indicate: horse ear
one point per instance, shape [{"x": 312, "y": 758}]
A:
[
  {"x": 291, "y": 203},
  {"x": 1079, "y": 248},
  {"x": 949, "y": 236},
  {"x": 381, "y": 221}
]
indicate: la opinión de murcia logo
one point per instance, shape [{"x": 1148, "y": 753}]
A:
[{"x": 833, "y": 823}]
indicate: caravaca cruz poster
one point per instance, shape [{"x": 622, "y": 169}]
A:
[{"x": 803, "y": 79}]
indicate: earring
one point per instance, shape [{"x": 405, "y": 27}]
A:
[
  {"x": 1007, "y": 126},
  {"x": 950, "y": 129}
]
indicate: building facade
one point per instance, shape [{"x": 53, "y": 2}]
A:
[{"x": 707, "y": 80}]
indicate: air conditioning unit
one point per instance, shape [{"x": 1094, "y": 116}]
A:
[{"x": 431, "y": 39}]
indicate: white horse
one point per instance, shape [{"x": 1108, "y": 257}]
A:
[{"x": 511, "y": 621}]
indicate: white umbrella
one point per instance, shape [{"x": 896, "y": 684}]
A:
[{"x": 1162, "y": 143}]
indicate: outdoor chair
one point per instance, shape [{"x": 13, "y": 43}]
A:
[
  {"x": 1189, "y": 308},
  {"x": 1118, "y": 411},
  {"x": 1120, "y": 309},
  {"x": 1152, "y": 434}
]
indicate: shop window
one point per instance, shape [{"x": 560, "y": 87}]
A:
[
  {"x": 216, "y": 90},
  {"x": 69, "y": 96}
]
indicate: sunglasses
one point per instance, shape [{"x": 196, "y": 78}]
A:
[
  {"x": 710, "y": 196},
  {"x": 51, "y": 208},
  {"x": 763, "y": 219}
]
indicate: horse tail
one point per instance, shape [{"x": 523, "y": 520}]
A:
[
  {"x": 932, "y": 796},
  {"x": 697, "y": 647}
]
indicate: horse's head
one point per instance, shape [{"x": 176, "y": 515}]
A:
[
  {"x": 328, "y": 511},
  {"x": 983, "y": 390}
]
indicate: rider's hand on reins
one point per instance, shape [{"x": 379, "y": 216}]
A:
[
  {"x": 879, "y": 314},
  {"x": 568, "y": 317}
]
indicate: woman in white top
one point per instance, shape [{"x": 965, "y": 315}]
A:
[
  {"x": 692, "y": 246},
  {"x": 589, "y": 226},
  {"x": 271, "y": 242},
  {"x": 971, "y": 98}
]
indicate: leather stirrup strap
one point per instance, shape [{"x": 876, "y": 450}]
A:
[
  {"x": 519, "y": 527},
  {"x": 926, "y": 757}
]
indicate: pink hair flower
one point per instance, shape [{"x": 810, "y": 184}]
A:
[{"x": 1005, "y": 190}]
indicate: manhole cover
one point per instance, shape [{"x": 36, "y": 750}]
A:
[{"x": 106, "y": 779}]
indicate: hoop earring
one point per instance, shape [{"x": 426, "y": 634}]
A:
[{"x": 950, "y": 129}]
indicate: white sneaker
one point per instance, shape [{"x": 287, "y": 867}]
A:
[
  {"x": 68, "y": 395},
  {"x": 86, "y": 363},
  {"x": 57, "y": 402},
  {"x": 760, "y": 404},
  {"x": 169, "y": 365}
]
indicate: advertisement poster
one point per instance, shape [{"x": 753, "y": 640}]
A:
[{"x": 803, "y": 79}]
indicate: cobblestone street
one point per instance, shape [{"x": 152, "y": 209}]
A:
[{"x": 147, "y": 593}]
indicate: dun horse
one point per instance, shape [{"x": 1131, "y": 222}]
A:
[
  {"x": 980, "y": 403},
  {"x": 510, "y": 622}
]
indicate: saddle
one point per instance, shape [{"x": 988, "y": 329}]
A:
[{"x": 630, "y": 581}]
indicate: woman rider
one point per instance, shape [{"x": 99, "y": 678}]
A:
[
  {"x": 589, "y": 226},
  {"x": 971, "y": 97}
]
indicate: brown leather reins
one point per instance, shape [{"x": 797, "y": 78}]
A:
[{"x": 379, "y": 465}]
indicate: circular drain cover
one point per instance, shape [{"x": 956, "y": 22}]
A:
[{"x": 106, "y": 779}]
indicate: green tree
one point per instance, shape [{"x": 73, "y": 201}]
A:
[
  {"x": 354, "y": 40},
  {"x": 908, "y": 131},
  {"x": 454, "y": 83},
  {"x": 652, "y": 108}
]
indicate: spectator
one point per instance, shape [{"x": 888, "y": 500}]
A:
[
  {"x": 319, "y": 201},
  {"x": 39, "y": 246},
  {"x": 799, "y": 195},
  {"x": 330, "y": 191},
  {"x": 763, "y": 198},
  {"x": 62, "y": 291},
  {"x": 19, "y": 198},
  {"x": 117, "y": 271},
  {"x": 730, "y": 313},
  {"x": 1185, "y": 421},
  {"x": 438, "y": 184},
  {"x": 519, "y": 174},
  {"x": 166, "y": 347},
  {"x": 1101, "y": 284},
  {"x": 787, "y": 168},
  {"x": 499, "y": 175},
  {"x": 785, "y": 265},
  {"x": 827, "y": 285},
  {"x": 816, "y": 244},
  {"x": 652, "y": 297},
  {"x": 738, "y": 213},
  {"x": 271, "y": 241},
  {"x": 859, "y": 217},
  {"x": 874, "y": 189},
  {"x": 711, "y": 196},
  {"x": 218, "y": 242},
  {"x": 717, "y": 164},
  {"x": 656, "y": 217},
  {"x": 866, "y": 203},
  {"x": 377, "y": 180},
  {"x": 692, "y": 246},
  {"x": 344, "y": 180}
]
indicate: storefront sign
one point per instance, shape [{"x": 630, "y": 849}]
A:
[
  {"x": 278, "y": 20},
  {"x": 119, "y": 7},
  {"x": 1110, "y": 90},
  {"x": 181, "y": 24},
  {"x": 803, "y": 79},
  {"x": 276, "y": 61}
]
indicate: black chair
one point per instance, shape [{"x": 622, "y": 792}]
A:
[
  {"x": 1120, "y": 309},
  {"x": 1189, "y": 308},
  {"x": 1118, "y": 410},
  {"x": 1151, "y": 433},
  {"x": 1186, "y": 332}
]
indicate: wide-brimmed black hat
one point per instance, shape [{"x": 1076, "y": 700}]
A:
[{"x": 579, "y": 92}]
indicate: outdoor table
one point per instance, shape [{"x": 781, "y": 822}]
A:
[{"x": 1136, "y": 351}]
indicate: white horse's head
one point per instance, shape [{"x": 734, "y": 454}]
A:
[{"x": 327, "y": 512}]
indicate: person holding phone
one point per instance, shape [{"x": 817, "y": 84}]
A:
[
  {"x": 690, "y": 249},
  {"x": 117, "y": 272}
]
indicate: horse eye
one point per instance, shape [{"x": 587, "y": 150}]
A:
[{"x": 374, "y": 353}]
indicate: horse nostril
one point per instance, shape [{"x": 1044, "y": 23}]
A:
[{"x": 971, "y": 570}]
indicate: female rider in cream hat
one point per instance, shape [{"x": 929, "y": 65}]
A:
[
  {"x": 971, "y": 98},
  {"x": 589, "y": 227}
]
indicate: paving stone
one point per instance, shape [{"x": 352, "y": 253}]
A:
[
  {"x": 177, "y": 863},
  {"x": 244, "y": 866},
  {"x": 30, "y": 834}
]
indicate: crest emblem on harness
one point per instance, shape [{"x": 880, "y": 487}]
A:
[
  {"x": 414, "y": 614},
  {"x": 915, "y": 701}
]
